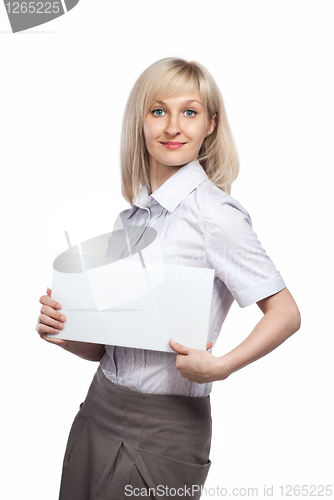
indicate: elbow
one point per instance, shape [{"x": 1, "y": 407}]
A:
[
  {"x": 292, "y": 312},
  {"x": 99, "y": 352},
  {"x": 295, "y": 319},
  {"x": 299, "y": 321}
]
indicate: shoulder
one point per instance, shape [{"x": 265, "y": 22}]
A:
[{"x": 218, "y": 205}]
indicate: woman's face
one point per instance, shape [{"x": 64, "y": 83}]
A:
[{"x": 175, "y": 128}]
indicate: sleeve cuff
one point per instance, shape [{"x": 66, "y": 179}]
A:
[{"x": 260, "y": 291}]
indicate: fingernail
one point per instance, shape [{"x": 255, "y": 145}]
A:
[
  {"x": 60, "y": 325},
  {"x": 58, "y": 306},
  {"x": 171, "y": 341},
  {"x": 62, "y": 318}
]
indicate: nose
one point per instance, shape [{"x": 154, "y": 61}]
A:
[{"x": 173, "y": 127}]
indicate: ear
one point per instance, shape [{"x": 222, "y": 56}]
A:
[{"x": 213, "y": 122}]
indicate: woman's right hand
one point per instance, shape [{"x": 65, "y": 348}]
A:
[{"x": 50, "y": 319}]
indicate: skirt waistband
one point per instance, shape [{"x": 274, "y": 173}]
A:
[{"x": 107, "y": 395}]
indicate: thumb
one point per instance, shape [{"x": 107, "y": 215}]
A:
[{"x": 179, "y": 348}]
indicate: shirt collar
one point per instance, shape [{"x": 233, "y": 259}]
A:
[{"x": 170, "y": 194}]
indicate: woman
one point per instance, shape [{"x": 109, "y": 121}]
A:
[{"x": 145, "y": 426}]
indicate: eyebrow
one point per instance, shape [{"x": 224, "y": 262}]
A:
[{"x": 184, "y": 103}]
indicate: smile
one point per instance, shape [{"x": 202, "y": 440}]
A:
[{"x": 172, "y": 144}]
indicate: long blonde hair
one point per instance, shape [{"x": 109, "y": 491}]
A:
[{"x": 166, "y": 78}]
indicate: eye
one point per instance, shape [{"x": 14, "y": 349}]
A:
[
  {"x": 158, "y": 112},
  {"x": 190, "y": 112}
]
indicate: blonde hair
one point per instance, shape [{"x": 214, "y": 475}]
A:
[{"x": 167, "y": 78}]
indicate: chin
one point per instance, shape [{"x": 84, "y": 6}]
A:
[
  {"x": 174, "y": 161},
  {"x": 176, "y": 164}
]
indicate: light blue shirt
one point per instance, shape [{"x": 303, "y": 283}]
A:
[{"x": 198, "y": 225}]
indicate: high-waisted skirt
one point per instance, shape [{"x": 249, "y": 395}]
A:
[{"x": 126, "y": 443}]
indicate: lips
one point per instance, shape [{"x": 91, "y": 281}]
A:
[{"x": 173, "y": 144}]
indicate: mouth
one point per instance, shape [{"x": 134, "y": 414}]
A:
[{"x": 173, "y": 144}]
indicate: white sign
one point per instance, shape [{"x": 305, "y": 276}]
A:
[{"x": 131, "y": 300}]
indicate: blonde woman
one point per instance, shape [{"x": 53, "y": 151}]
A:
[{"x": 144, "y": 428}]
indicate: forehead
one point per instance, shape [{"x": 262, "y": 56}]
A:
[{"x": 185, "y": 98}]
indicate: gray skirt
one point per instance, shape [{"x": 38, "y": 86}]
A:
[{"x": 128, "y": 444}]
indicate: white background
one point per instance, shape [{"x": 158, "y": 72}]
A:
[{"x": 63, "y": 87}]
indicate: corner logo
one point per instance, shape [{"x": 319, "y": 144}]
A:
[{"x": 24, "y": 15}]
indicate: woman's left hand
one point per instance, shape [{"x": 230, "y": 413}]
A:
[{"x": 196, "y": 365}]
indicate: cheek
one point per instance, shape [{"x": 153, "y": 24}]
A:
[
  {"x": 152, "y": 129},
  {"x": 147, "y": 136},
  {"x": 197, "y": 131},
  {"x": 146, "y": 131}
]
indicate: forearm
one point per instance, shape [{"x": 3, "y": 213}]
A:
[
  {"x": 273, "y": 329},
  {"x": 85, "y": 350}
]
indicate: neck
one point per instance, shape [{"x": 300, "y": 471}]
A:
[{"x": 161, "y": 173}]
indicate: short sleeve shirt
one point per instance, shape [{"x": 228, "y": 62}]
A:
[{"x": 198, "y": 225}]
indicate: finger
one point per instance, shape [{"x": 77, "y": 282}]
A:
[
  {"x": 46, "y": 299},
  {"x": 182, "y": 363},
  {"x": 46, "y": 320},
  {"x": 179, "y": 348},
  {"x": 209, "y": 345},
  {"x": 48, "y": 291},
  {"x": 53, "y": 340},
  {"x": 44, "y": 329},
  {"x": 49, "y": 311}
]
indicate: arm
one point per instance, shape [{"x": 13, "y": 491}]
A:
[
  {"x": 51, "y": 321},
  {"x": 280, "y": 320},
  {"x": 85, "y": 350}
]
